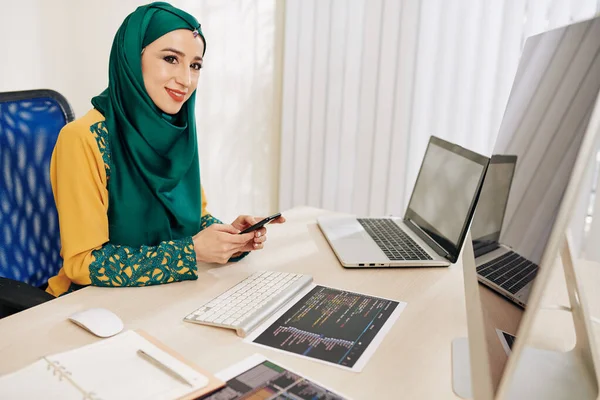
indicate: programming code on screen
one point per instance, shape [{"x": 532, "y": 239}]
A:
[{"x": 330, "y": 325}]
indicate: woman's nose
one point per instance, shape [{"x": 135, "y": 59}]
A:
[{"x": 184, "y": 77}]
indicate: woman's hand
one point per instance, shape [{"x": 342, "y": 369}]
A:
[
  {"x": 260, "y": 235},
  {"x": 219, "y": 242}
]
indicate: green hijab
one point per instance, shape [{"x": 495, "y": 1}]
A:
[{"x": 154, "y": 184}]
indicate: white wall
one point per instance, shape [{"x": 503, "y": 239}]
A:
[{"x": 64, "y": 45}]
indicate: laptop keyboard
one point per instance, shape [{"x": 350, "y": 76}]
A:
[
  {"x": 510, "y": 271},
  {"x": 392, "y": 240}
]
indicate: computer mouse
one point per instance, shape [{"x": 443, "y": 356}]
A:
[{"x": 99, "y": 321}]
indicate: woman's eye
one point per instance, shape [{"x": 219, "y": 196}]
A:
[
  {"x": 170, "y": 59},
  {"x": 196, "y": 66}
]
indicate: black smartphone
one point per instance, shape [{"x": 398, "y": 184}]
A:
[{"x": 260, "y": 224}]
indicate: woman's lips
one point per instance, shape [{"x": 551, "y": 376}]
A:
[{"x": 176, "y": 95}]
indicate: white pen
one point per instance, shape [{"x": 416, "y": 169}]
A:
[{"x": 162, "y": 366}]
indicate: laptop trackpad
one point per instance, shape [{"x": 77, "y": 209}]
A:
[{"x": 352, "y": 243}]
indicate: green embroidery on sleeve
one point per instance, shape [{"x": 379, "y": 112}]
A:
[
  {"x": 170, "y": 261},
  {"x": 208, "y": 220},
  {"x": 100, "y": 133}
]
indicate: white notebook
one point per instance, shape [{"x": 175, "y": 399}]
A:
[{"x": 109, "y": 369}]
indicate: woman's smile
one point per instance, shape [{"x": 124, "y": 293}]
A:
[{"x": 176, "y": 95}]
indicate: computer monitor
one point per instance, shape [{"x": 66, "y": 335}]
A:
[{"x": 550, "y": 124}]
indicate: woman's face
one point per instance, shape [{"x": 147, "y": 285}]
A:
[{"x": 171, "y": 67}]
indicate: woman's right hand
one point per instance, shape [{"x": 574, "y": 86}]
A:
[{"x": 218, "y": 242}]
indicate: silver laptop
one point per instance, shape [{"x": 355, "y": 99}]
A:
[
  {"x": 499, "y": 267},
  {"x": 435, "y": 224}
]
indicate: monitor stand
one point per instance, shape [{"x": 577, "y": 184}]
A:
[{"x": 538, "y": 374}]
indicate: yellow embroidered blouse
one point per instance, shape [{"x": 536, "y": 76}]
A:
[{"x": 79, "y": 172}]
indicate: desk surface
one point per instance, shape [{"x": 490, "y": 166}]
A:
[{"x": 414, "y": 360}]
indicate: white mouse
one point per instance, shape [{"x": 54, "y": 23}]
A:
[{"x": 99, "y": 321}]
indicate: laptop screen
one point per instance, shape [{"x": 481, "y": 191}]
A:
[
  {"x": 443, "y": 198},
  {"x": 491, "y": 206}
]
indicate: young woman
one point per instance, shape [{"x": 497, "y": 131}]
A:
[{"x": 126, "y": 176}]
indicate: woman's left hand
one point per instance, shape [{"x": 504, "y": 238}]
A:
[{"x": 260, "y": 235}]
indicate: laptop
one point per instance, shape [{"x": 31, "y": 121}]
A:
[
  {"x": 435, "y": 223},
  {"x": 499, "y": 266}
]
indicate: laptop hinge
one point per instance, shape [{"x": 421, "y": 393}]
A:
[{"x": 428, "y": 239}]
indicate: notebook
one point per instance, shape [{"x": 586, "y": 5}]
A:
[{"x": 110, "y": 369}]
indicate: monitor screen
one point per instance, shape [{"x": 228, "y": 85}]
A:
[
  {"x": 442, "y": 202},
  {"x": 547, "y": 114}
]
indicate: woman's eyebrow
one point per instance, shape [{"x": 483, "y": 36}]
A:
[{"x": 180, "y": 53}]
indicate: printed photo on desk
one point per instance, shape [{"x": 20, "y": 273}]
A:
[
  {"x": 256, "y": 377},
  {"x": 330, "y": 325}
]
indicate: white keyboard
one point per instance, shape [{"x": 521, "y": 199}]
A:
[{"x": 250, "y": 302}]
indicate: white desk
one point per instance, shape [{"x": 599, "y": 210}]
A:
[{"x": 412, "y": 362}]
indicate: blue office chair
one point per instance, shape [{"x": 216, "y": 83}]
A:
[{"x": 29, "y": 234}]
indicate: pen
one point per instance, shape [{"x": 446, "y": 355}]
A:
[{"x": 162, "y": 366}]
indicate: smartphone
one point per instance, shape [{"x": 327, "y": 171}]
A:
[{"x": 260, "y": 224}]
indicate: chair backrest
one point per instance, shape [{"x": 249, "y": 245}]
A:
[{"x": 29, "y": 234}]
